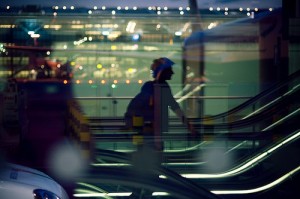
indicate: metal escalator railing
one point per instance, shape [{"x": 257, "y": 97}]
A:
[
  {"x": 271, "y": 169},
  {"x": 255, "y": 158},
  {"x": 104, "y": 180},
  {"x": 252, "y": 176},
  {"x": 248, "y": 142},
  {"x": 253, "y": 106},
  {"x": 263, "y": 99},
  {"x": 282, "y": 100},
  {"x": 265, "y": 120},
  {"x": 267, "y": 142},
  {"x": 178, "y": 146}
]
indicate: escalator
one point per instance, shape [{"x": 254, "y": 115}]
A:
[
  {"x": 128, "y": 182},
  {"x": 265, "y": 172},
  {"x": 251, "y": 133},
  {"x": 259, "y": 102},
  {"x": 251, "y": 107},
  {"x": 265, "y": 161}
]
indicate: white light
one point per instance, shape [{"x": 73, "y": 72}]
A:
[
  {"x": 119, "y": 8},
  {"x": 180, "y": 8},
  {"x": 134, "y": 8},
  {"x": 90, "y": 12},
  {"x": 105, "y": 33},
  {"x": 116, "y": 194},
  {"x": 131, "y": 26},
  {"x": 84, "y": 195},
  {"x": 241, "y": 9},
  {"x": 181, "y": 13},
  {"x": 211, "y": 8},
  {"x": 72, "y": 7},
  {"x": 270, "y": 9},
  {"x": 126, "y": 8},
  {"x": 35, "y": 35},
  {"x": 178, "y": 33},
  {"x": 165, "y": 8},
  {"x": 158, "y": 12},
  {"x": 188, "y": 8},
  {"x": 110, "y": 164},
  {"x": 160, "y": 194},
  {"x": 113, "y": 12},
  {"x": 103, "y": 7},
  {"x": 218, "y": 8},
  {"x": 95, "y": 7},
  {"x": 30, "y": 32},
  {"x": 64, "y": 7}
]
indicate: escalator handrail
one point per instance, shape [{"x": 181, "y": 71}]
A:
[
  {"x": 254, "y": 99},
  {"x": 176, "y": 184}
]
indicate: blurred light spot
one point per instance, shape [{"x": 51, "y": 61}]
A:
[{"x": 65, "y": 161}]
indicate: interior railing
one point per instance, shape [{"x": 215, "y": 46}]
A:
[{"x": 230, "y": 158}]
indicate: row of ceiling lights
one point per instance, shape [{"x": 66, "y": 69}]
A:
[
  {"x": 153, "y": 8},
  {"x": 159, "y": 10},
  {"x": 114, "y": 82}
]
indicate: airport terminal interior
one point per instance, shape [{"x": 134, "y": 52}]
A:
[{"x": 67, "y": 75}]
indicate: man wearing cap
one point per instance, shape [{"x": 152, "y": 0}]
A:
[
  {"x": 152, "y": 105},
  {"x": 154, "y": 100}
]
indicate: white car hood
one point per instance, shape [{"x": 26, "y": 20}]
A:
[{"x": 28, "y": 178}]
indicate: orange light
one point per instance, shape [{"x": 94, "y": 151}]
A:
[
  {"x": 77, "y": 81},
  {"x": 127, "y": 81},
  {"x": 140, "y": 81},
  {"x": 65, "y": 81},
  {"x": 90, "y": 81},
  {"x": 103, "y": 81},
  {"x": 115, "y": 81}
]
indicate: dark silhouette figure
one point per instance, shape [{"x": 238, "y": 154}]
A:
[{"x": 147, "y": 113}]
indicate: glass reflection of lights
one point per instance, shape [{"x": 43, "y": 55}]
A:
[
  {"x": 247, "y": 165},
  {"x": 259, "y": 189},
  {"x": 273, "y": 101},
  {"x": 281, "y": 120},
  {"x": 94, "y": 191}
]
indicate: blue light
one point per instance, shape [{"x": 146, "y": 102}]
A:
[{"x": 136, "y": 37}]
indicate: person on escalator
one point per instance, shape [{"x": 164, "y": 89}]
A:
[
  {"x": 150, "y": 107},
  {"x": 147, "y": 113}
]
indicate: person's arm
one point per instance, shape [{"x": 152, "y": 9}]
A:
[
  {"x": 185, "y": 121},
  {"x": 180, "y": 114}
]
